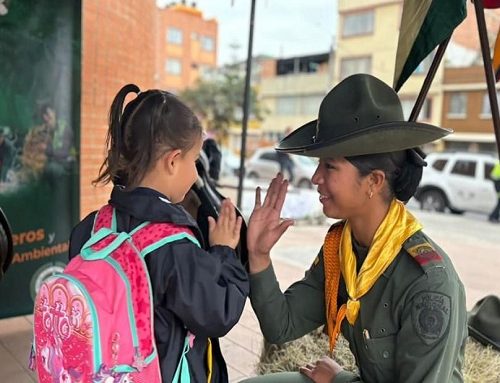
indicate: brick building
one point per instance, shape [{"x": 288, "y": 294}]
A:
[
  {"x": 117, "y": 48},
  {"x": 186, "y": 46}
]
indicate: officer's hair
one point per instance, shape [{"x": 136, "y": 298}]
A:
[{"x": 402, "y": 172}]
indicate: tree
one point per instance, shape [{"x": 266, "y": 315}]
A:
[{"x": 219, "y": 100}]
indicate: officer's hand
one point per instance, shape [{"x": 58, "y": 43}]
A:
[
  {"x": 323, "y": 371},
  {"x": 226, "y": 231},
  {"x": 265, "y": 226}
]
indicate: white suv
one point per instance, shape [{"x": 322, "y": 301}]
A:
[{"x": 458, "y": 181}]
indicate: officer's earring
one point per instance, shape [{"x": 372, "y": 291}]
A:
[{"x": 370, "y": 195}]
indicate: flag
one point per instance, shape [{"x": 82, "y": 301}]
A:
[
  {"x": 424, "y": 25},
  {"x": 491, "y": 3},
  {"x": 496, "y": 58}
]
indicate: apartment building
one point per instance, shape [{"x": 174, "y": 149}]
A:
[
  {"x": 368, "y": 32},
  {"x": 187, "y": 46}
]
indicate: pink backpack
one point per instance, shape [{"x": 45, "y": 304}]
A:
[{"x": 94, "y": 321}]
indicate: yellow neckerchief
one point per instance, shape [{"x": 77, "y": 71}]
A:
[{"x": 397, "y": 226}]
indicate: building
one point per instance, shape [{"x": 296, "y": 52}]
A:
[
  {"x": 291, "y": 90},
  {"x": 186, "y": 46},
  {"x": 368, "y": 32}
]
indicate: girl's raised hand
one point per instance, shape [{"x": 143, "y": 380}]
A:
[
  {"x": 265, "y": 226},
  {"x": 226, "y": 231}
]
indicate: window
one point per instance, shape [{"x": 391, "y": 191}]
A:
[
  {"x": 287, "y": 105},
  {"x": 439, "y": 164},
  {"x": 457, "y": 107},
  {"x": 360, "y": 23},
  {"x": 310, "y": 104},
  {"x": 174, "y": 35},
  {"x": 173, "y": 66},
  {"x": 271, "y": 156},
  {"x": 350, "y": 66},
  {"x": 486, "y": 107},
  {"x": 464, "y": 168},
  {"x": 207, "y": 43}
]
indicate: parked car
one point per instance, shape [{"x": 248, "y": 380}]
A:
[
  {"x": 457, "y": 181},
  {"x": 264, "y": 164}
]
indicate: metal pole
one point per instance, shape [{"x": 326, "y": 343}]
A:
[
  {"x": 246, "y": 107},
  {"x": 428, "y": 80},
  {"x": 488, "y": 69}
]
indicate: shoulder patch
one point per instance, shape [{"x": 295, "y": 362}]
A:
[
  {"x": 431, "y": 315},
  {"x": 422, "y": 251}
]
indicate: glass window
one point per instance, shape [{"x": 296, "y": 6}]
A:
[
  {"x": 310, "y": 104},
  {"x": 350, "y": 66},
  {"x": 207, "y": 43},
  {"x": 359, "y": 23},
  {"x": 464, "y": 168},
  {"x": 286, "y": 105},
  {"x": 457, "y": 105},
  {"x": 485, "y": 107},
  {"x": 174, "y": 35},
  {"x": 439, "y": 164},
  {"x": 269, "y": 156},
  {"x": 173, "y": 66}
]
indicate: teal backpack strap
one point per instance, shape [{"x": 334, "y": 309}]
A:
[
  {"x": 148, "y": 236},
  {"x": 182, "y": 371},
  {"x": 105, "y": 218}
]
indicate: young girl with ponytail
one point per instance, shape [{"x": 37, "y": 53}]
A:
[{"x": 153, "y": 144}]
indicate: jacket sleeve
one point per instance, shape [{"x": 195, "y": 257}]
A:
[
  {"x": 299, "y": 310},
  {"x": 206, "y": 290}
]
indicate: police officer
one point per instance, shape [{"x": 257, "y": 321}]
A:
[{"x": 378, "y": 278}]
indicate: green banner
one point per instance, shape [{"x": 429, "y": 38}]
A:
[{"x": 40, "y": 56}]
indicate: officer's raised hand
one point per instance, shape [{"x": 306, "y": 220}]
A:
[{"x": 265, "y": 226}]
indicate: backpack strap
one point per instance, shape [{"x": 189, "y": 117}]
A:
[
  {"x": 148, "y": 236},
  {"x": 105, "y": 218}
]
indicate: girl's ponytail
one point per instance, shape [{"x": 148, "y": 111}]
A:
[{"x": 110, "y": 168}]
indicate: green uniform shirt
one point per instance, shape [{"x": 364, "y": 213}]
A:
[{"x": 411, "y": 326}]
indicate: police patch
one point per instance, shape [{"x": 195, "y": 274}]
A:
[{"x": 431, "y": 315}]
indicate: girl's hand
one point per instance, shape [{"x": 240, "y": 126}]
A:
[
  {"x": 226, "y": 231},
  {"x": 323, "y": 371},
  {"x": 265, "y": 226}
]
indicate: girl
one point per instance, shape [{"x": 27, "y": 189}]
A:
[
  {"x": 152, "y": 148},
  {"x": 378, "y": 279}
]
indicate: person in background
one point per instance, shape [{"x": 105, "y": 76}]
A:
[
  {"x": 495, "y": 177},
  {"x": 214, "y": 155},
  {"x": 378, "y": 279}
]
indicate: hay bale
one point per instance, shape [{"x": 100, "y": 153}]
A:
[{"x": 482, "y": 364}]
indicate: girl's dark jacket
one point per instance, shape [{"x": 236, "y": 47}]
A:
[{"x": 194, "y": 289}]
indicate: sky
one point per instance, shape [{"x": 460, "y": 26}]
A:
[{"x": 282, "y": 28}]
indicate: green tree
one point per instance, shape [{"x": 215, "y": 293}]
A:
[{"x": 219, "y": 100}]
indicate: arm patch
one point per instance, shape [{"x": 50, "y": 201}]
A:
[{"x": 431, "y": 315}]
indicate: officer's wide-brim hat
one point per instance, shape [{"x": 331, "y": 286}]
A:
[
  {"x": 361, "y": 115},
  {"x": 484, "y": 321}
]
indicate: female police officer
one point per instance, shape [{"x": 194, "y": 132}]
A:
[{"x": 378, "y": 279}]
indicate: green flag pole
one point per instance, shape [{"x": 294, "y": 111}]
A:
[
  {"x": 428, "y": 79},
  {"x": 488, "y": 69}
]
